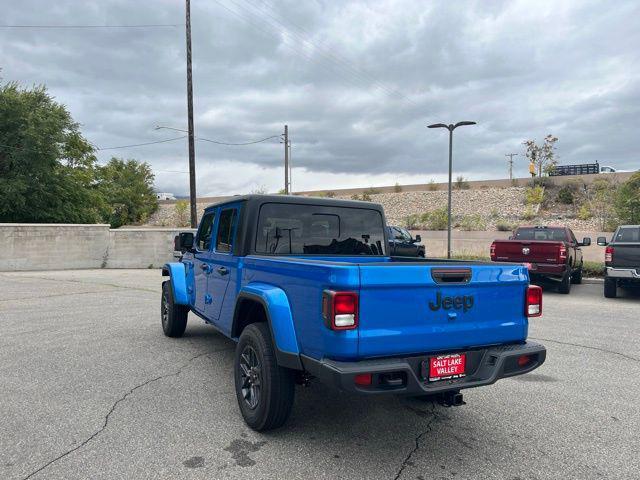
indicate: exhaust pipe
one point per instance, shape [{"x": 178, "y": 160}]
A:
[{"x": 451, "y": 399}]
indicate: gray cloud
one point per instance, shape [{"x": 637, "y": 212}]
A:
[{"x": 356, "y": 81}]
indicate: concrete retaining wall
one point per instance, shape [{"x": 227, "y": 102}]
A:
[
  {"x": 479, "y": 243},
  {"x": 61, "y": 247}
]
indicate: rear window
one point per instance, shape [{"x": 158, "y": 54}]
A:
[
  {"x": 628, "y": 234},
  {"x": 551, "y": 234},
  {"x": 286, "y": 229}
]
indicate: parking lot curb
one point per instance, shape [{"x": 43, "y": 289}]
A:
[{"x": 593, "y": 280}]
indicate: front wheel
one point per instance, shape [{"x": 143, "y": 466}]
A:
[
  {"x": 174, "y": 317},
  {"x": 264, "y": 390}
]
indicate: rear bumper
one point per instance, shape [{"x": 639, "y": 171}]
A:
[
  {"x": 484, "y": 367},
  {"x": 628, "y": 273},
  {"x": 547, "y": 269}
]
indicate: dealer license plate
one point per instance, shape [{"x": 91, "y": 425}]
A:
[{"x": 445, "y": 367}]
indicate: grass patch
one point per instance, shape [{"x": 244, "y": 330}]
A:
[{"x": 593, "y": 269}]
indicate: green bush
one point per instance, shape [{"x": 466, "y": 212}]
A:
[
  {"x": 528, "y": 214},
  {"x": 504, "y": 226},
  {"x": 461, "y": 183},
  {"x": 182, "y": 217},
  {"x": 436, "y": 220},
  {"x": 593, "y": 269},
  {"x": 627, "y": 201},
  {"x": 565, "y": 195},
  {"x": 433, "y": 186},
  {"x": 473, "y": 223},
  {"x": 534, "y": 195},
  {"x": 412, "y": 221},
  {"x": 584, "y": 212}
]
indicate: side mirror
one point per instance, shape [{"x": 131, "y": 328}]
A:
[
  {"x": 602, "y": 241},
  {"x": 183, "y": 241},
  {"x": 418, "y": 239},
  {"x": 586, "y": 241}
]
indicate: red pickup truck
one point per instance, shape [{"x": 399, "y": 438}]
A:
[{"x": 553, "y": 253}]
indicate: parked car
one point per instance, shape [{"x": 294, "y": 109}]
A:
[
  {"x": 621, "y": 259},
  {"x": 307, "y": 289},
  {"x": 552, "y": 253},
  {"x": 402, "y": 244}
]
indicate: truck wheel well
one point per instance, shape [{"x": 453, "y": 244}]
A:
[{"x": 247, "y": 312}]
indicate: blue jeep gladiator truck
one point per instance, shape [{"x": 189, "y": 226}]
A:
[{"x": 306, "y": 288}]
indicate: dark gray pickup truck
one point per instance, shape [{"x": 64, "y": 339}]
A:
[{"x": 621, "y": 259}]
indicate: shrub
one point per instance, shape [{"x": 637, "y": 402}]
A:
[
  {"x": 461, "y": 183},
  {"x": 433, "y": 186},
  {"x": 565, "y": 195},
  {"x": 437, "y": 219},
  {"x": 593, "y": 269},
  {"x": 365, "y": 197},
  {"x": 472, "y": 223},
  {"x": 528, "y": 213},
  {"x": 412, "y": 221},
  {"x": 397, "y": 188},
  {"x": 627, "y": 200},
  {"x": 371, "y": 191},
  {"x": 182, "y": 218},
  {"x": 542, "y": 182},
  {"x": 534, "y": 195},
  {"x": 584, "y": 213},
  {"x": 503, "y": 226}
]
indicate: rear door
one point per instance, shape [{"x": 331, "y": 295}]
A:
[{"x": 413, "y": 308}]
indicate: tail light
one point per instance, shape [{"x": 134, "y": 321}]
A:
[
  {"x": 533, "y": 304},
  {"x": 608, "y": 254},
  {"x": 562, "y": 253},
  {"x": 340, "y": 310},
  {"x": 493, "y": 251}
]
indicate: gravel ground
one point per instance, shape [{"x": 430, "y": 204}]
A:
[{"x": 92, "y": 389}]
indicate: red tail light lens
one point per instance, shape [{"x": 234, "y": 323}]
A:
[
  {"x": 493, "y": 251},
  {"x": 562, "y": 253},
  {"x": 608, "y": 254},
  {"x": 363, "y": 379},
  {"x": 533, "y": 304},
  {"x": 340, "y": 310}
]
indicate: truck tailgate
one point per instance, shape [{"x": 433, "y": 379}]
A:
[
  {"x": 411, "y": 308},
  {"x": 626, "y": 255},
  {"x": 527, "y": 251}
]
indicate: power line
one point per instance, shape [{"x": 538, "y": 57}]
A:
[
  {"x": 141, "y": 144},
  {"x": 152, "y": 25},
  {"x": 235, "y": 144}
]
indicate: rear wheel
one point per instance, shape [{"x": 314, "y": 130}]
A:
[
  {"x": 174, "y": 317},
  {"x": 577, "y": 276},
  {"x": 264, "y": 390},
  {"x": 565, "y": 283},
  {"x": 610, "y": 288}
]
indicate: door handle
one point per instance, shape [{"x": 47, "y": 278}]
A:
[{"x": 222, "y": 270}]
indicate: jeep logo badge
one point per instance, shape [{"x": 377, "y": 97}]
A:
[
  {"x": 526, "y": 250},
  {"x": 464, "y": 302}
]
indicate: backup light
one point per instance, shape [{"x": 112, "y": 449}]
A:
[
  {"x": 340, "y": 310},
  {"x": 533, "y": 304}
]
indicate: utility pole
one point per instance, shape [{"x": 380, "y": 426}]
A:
[
  {"x": 510, "y": 162},
  {"x": 192, "y": 146},
  {"x": 286, "y": 160}
]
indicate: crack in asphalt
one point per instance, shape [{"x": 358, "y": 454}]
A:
[
  {"x": 613, "y": 352},
  {"x": 82, "y": 282},
  {"x": 115, "y": 405},
  {"x": 405, "y": 463},
  {"x": 50, "y": 296}
]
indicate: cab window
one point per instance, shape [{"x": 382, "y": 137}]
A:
[
  {"x": 226, "y": 227},
  {"x": 203, "y": 239}
]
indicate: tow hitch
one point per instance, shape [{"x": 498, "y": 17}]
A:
[{"x": 451, "y": 399}]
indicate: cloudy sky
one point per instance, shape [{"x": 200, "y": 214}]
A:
[{"x": 357, "y": 83}]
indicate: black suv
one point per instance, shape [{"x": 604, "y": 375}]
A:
[
  {"x": 402, "y": 244},
  {"x": 621, "y": 258}
]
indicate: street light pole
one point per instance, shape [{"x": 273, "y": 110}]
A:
[{"x": 451, "y": 127}]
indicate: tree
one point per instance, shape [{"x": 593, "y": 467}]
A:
[
  {"x": 601, "y": 197},
  {"x": 47, "y": 169},
  {"x": 627, "y": 202},
  {"x": 127, "y": 187},
  {"x": 542, "y": 156}
]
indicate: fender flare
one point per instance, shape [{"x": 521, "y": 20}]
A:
[
  {"x": 178, "y": 278},
  {"x": 278, "y": 312}
]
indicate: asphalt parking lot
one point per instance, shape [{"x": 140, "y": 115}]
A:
[{"x": 90, "y": 388}]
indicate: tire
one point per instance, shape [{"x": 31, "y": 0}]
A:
[
  {"x": 172, "y": 316},
  {"x": 268, "y": 406},
  {"x": 565, "y": 284},
  {"x": 610, "y": 288},
  {"x": 576, "y": 278}
]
